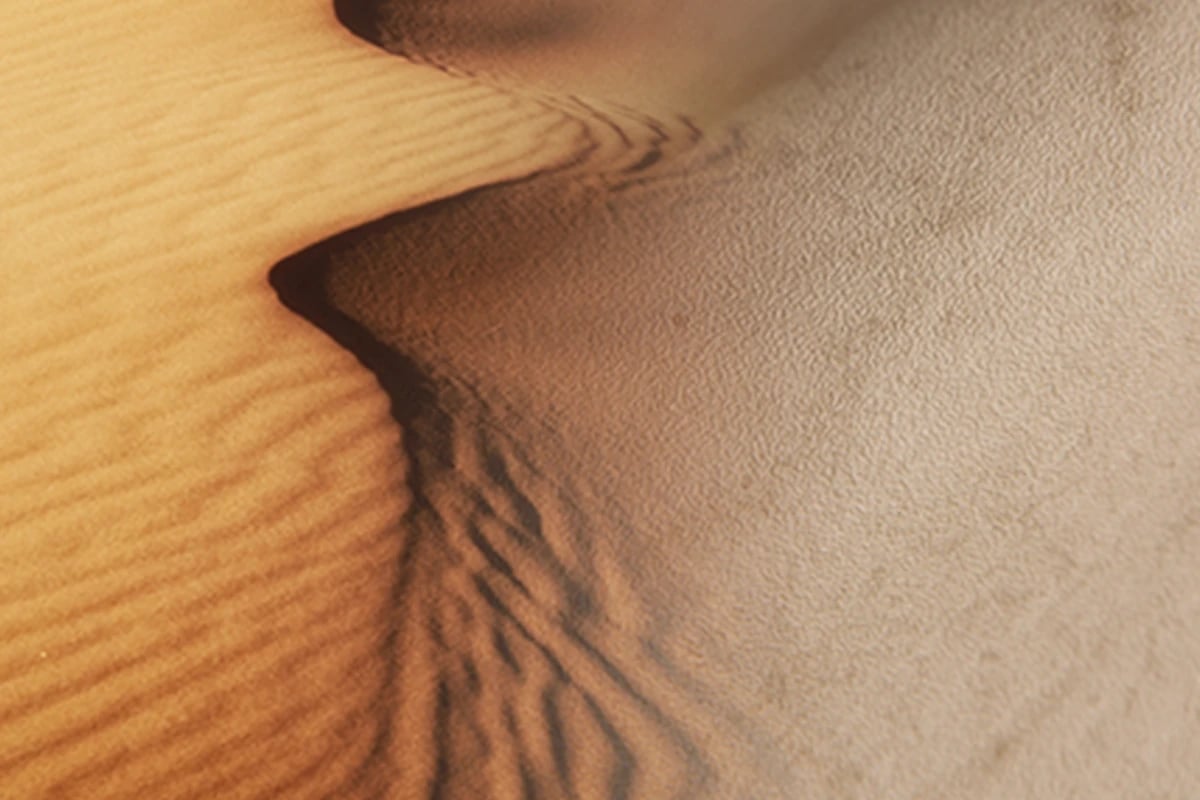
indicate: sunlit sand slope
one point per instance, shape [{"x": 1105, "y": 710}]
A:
[
  {"x": 199, "y": 493},
  {"x": 852, "y": 454}
]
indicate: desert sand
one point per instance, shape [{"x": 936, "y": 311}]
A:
[{"x": 444, "y": 423}]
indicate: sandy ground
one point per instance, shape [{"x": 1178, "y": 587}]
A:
[
  {"x": 197, "y": 495},
  {"x": 847, "y": 449}
]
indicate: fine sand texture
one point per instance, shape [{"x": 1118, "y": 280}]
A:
[
  {"x": 198, "y": 490},
  {"x": 808, "y": 409}
]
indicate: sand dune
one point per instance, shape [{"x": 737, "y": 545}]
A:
[
  {"x": 199, "y": 505},
  {"x": 845, "y": 451}
]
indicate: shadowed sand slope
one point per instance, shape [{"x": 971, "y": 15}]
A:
[{"x": 852, "y": 454}]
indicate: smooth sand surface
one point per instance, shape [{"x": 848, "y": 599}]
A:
[{"x": 848, "y": 449}]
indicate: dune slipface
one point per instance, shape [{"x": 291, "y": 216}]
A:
[{"x": 847, "y": 452}]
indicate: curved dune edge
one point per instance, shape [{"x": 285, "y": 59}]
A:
[
  {"x": 198, "y": 491},
  {"x": 743, "y": 565}
]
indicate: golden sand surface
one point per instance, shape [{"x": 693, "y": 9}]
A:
[
  {"x": 197, "y": 489},
  {"x": 846, "y": 447}
]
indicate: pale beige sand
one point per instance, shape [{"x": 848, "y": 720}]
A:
[{"x": 853, "y": 456}]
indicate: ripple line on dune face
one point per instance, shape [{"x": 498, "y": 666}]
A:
[
  {"x": 71, "y": 629},
  {"x": 198, "y": 738},
  {"x": 477, "y": 108},
  {"x": 83, "y": 653},
  {"x": 156, "y": 745}
]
